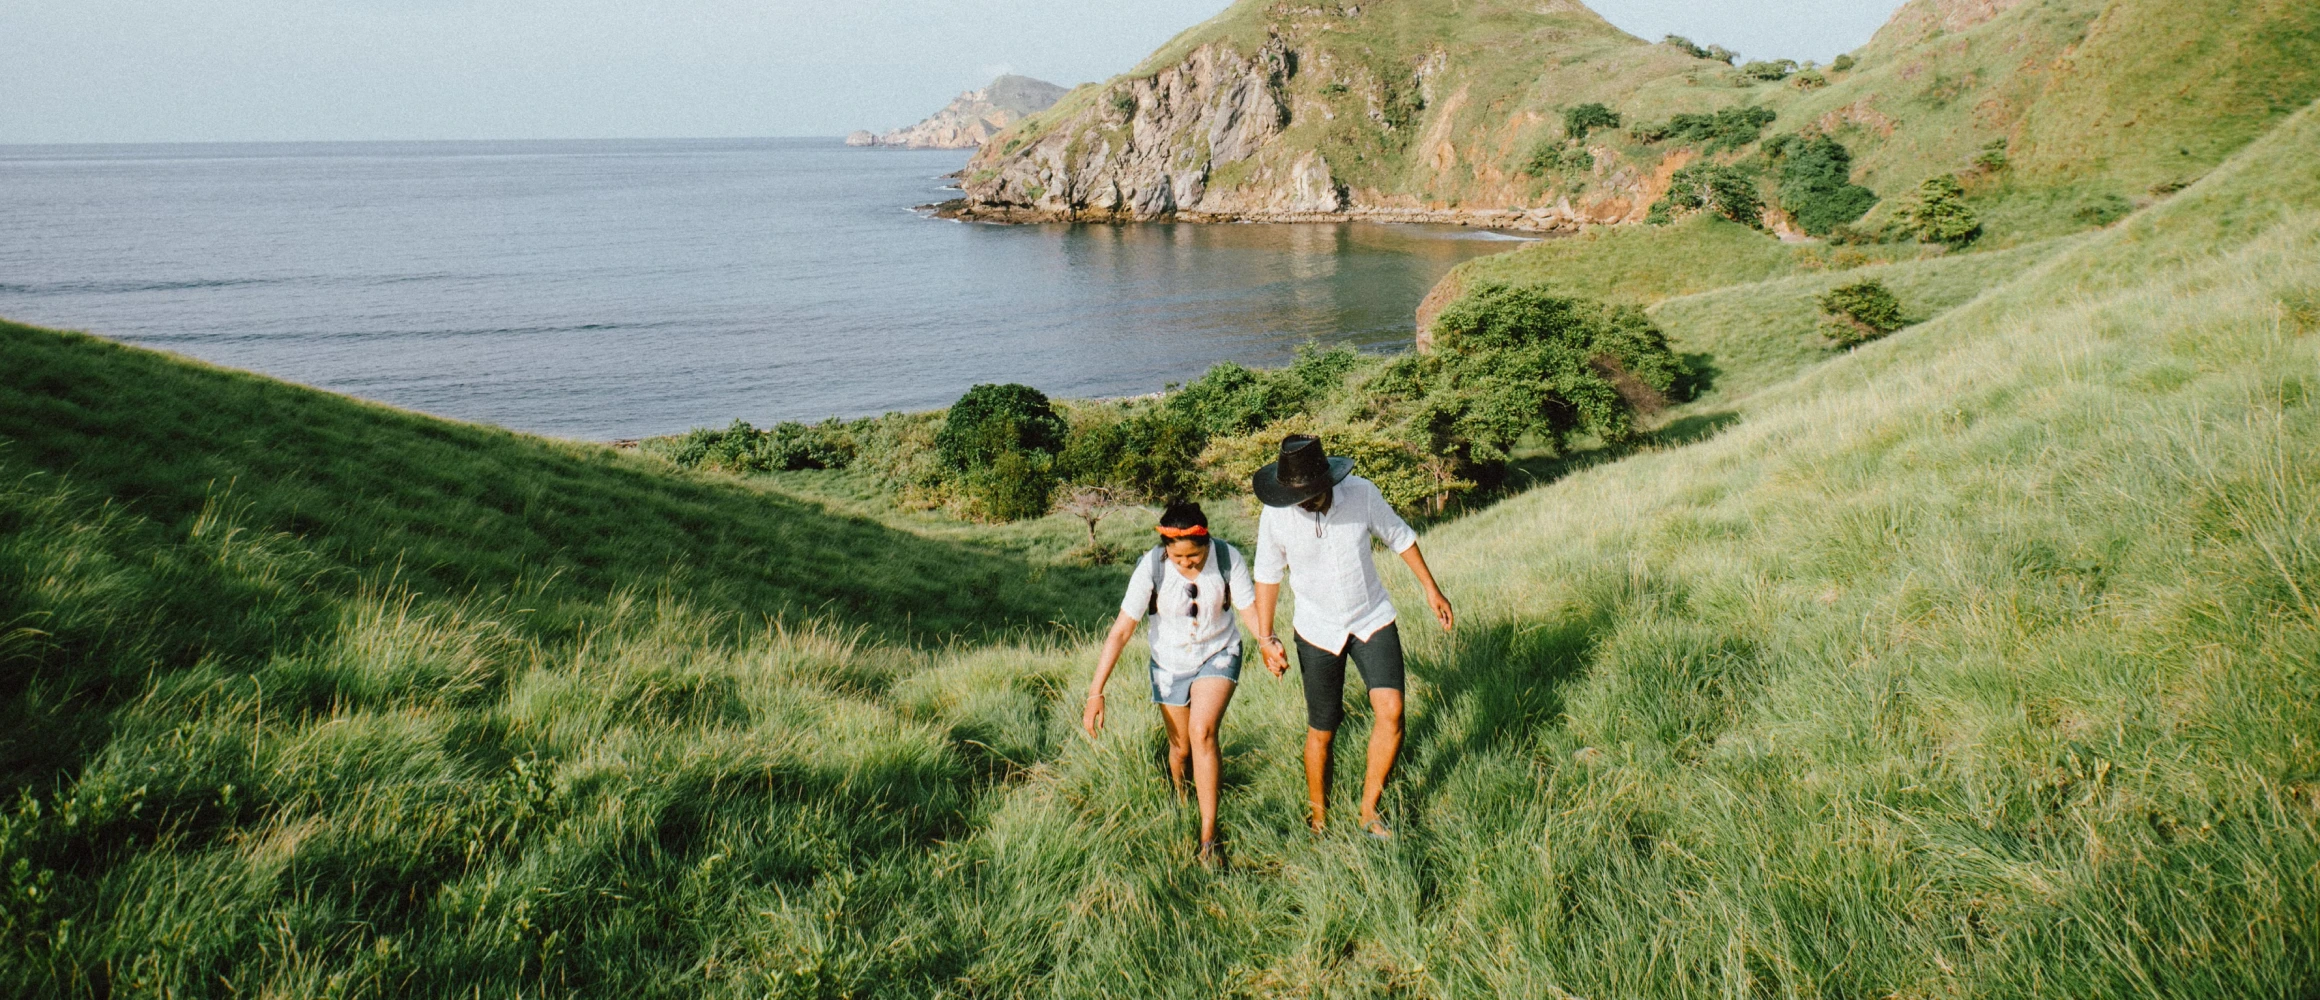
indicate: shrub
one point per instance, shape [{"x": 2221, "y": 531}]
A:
[
  {"x": 1730, "y": 128},
  {"x": 1768, "y": 70},
  {"x": 1860, "y": 312},
  {"x": 1014, "y": 486},
  {"x": 789, "y": 446},
  {"x": 992, "y": 421},
  {"x": 1552, "y": 157},
  {"x": 2102, "y": 210},
  {"x": 1716, "y": 53},
  {"x": 1514, "y": 360},
  {"x": 1151, "y": 454},
  {"x": 1233, "y": 399},
  {"x": 1124, "y": 104},
  {"x": 1992, "y": 158},
  {"x": 1941, "y": 214},
  {"x": 1811, "y": 79},
  {"x": 1842, "y": 64},
  {"x": 792, "y": 446},
  {"x": 1689, "y": 47},
  {"x": 1816, "y": 183},
  {"x": 1729, "y": 190},
  {"x": 1585, "y": 118}
]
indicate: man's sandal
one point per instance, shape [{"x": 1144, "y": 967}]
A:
[{"x": 1378, "y": 831}]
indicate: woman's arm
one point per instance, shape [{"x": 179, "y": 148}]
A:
[{"x": 1091, "y": 719}]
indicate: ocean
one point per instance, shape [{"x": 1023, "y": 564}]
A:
[{"x": 619, "y": 289}]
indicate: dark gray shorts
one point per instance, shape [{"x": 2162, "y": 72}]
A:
[{"x": 1379, "y": 659}]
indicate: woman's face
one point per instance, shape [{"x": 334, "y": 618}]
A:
[{"x": 1188, "y": 555}]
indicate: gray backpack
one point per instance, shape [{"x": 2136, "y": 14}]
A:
[{"x": 1216, "y": 548}]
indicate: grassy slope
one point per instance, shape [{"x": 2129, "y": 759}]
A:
[
  {"x": 468, "y": 508},
  {"x": 1977, "y": 661}
]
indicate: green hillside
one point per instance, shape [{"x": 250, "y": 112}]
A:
[{"x": 1976, "y": 661}]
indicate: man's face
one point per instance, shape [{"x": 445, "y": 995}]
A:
[{"x": 1319, "y": 502}]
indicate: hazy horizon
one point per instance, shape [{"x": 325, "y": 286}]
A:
[{"x": 175, "y": 71}]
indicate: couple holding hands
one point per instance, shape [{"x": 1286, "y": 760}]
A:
[{"x": 1316, "y": 527}]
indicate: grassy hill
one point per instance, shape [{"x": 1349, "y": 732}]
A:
[
  {"x": 1977, "y": 661},
  {"x": 1982, "y": 660}
]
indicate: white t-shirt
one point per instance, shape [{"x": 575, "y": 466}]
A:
[
  {"x": 1337, "y": 587},
  {"x": 1181, "y": 642}
]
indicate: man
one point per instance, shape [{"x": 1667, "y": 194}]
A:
[{"x": 1317, "y": 524}]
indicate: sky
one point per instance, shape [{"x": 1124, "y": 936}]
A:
[{"x": 283, "y": 70}]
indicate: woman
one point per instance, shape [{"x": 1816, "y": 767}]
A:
[{"x": 1185, "y": 584}]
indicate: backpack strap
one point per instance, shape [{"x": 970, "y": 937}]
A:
[
  {"x": 1159, "y": 565},
  {"x": 1224, "y": 570}
]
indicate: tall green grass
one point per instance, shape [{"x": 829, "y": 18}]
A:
[{"x": 1982, "y": 660}]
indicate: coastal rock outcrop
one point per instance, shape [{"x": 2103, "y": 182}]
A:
[
  {"x": 1145, "y": 149},
  {"x": 972, "y": 118},
  {"x": 1332, "y": 113}
]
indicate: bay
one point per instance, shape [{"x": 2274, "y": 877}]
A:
[{"x": 610, "y": 289}]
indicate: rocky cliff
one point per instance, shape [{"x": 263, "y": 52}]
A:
[
  {"x": 1394, "y": 110},
  {"x": 973, "y": 118},
  {"x": 1457, "y": 111}
]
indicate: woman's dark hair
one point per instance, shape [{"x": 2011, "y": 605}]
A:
[{"x": 1184, "y": 515}]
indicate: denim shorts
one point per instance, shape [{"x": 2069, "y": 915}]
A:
[{"x": 1176, "y": 689}]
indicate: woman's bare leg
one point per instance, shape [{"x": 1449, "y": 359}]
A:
[
  {"x": 1177, "y": 719},
  {"x": 1210, "y": 697}
]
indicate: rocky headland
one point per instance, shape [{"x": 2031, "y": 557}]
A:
[
  {"x": 973, "y": 118},
  {"x": 1475, "y": 113}
]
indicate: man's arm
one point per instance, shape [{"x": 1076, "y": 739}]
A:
[
  {"x": 1269, "y": 645},
  {"x": 1434, "y": 598}
]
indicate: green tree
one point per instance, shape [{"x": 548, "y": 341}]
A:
[
  {"x": 1859, "y": 312},
  {"x": 1816, "y": 183},
  {"x": 1941, "y": 214},
  {"x": 1585, "y": 118},
  {"x": 991, "y": 421},
  {"x": 1514, "y": 361},
  {"x": 1728, "y": 190}
]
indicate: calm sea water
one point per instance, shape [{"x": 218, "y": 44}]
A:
[{"x": 620, "y": 289}]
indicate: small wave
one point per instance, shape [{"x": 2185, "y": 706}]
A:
[
  {"x": 124, "y": 287},
  {"x": 327, "y": 336}
]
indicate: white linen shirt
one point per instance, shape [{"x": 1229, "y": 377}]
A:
[
  {"x": 1180, "y": 644},
  {"x": 1337, "y": 588}
]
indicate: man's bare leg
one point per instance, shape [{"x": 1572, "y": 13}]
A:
[
  {"x": 1317, "y": 777},
  {"x": 1385, "y": 744}
]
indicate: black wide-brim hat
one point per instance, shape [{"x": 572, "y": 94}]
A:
[{"x": 1304, "y": 472}]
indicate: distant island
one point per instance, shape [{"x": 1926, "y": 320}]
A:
[{"x": 973, "y": 118}]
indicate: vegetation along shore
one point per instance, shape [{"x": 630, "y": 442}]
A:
[{"x": 1925, "y": 607}]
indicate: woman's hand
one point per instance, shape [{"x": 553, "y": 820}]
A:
[
  {"x": 1091, "y": 720},
  {"x": 1276, "y": 655}
]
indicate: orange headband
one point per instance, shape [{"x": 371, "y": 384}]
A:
[{"x": 1172, "y": 534}]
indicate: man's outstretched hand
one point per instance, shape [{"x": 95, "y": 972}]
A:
[{"x": 1441, "y": 606}]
